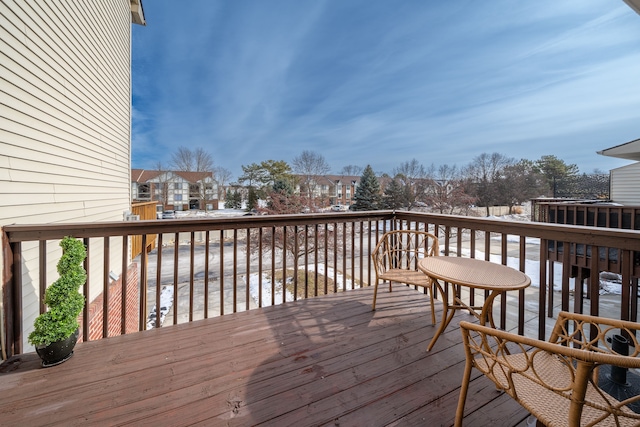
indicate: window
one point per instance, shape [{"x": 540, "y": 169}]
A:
[
  {"x": 177, "y": 197},
  {"x": 177, "y": 186},
  {"x": 143, "y": 191}
]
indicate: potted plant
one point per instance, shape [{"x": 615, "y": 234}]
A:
[{"x": 56, "y": 330}]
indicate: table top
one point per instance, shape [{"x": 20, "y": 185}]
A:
[{"x": 475, "y": 273}]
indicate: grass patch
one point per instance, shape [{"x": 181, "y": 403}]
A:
[{"x": 311, "y": 287}]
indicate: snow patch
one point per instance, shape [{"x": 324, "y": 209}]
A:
[
  {"x": 166, "y": 301},
  {"x": 254, "y": 284}
]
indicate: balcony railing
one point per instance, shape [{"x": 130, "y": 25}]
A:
[{"x": 203, "y": 259}]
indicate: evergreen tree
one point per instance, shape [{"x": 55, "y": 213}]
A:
[
  {"x": 394, "y": 196},
  {"x": 367, "y": 195},
  {"x": 233, "y": 200},
  {"x": 252, "y": 199},
  {"x": 560, "y": 176},
  {"x": 283, "y": 187}
]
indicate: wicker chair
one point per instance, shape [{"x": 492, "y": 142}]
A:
[
  {"x": 561, "y": 382},
  {"x": 396, "y": 257}
]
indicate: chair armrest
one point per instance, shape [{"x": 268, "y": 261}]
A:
[
  {"x": 555, "y": 382},
  {"x": 502, "y": 338},
  {"x": 378, "y": 257}
]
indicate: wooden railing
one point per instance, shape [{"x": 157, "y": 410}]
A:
[
  {"x": 592, "y": 214},
  {"x": 207, "y": 263},
  {"x": 578, "y": 258}
]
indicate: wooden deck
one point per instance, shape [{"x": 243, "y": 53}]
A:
[{"x": 322, "y": 361}]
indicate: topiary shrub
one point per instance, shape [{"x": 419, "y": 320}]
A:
[{"x": 63, "y": 299}]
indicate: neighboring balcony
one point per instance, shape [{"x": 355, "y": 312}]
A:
[{"x": 232, "y": 345}]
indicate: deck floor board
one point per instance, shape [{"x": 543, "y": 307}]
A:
[{"x": 322, "y": 361}]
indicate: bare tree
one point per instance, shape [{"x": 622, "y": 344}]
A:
[
  {"x": 297, "y": 242},
  {"x": 411, "y": 169},
  {"x": 446, "y": 192},
  {"x": 310, "y": 165},
  {"x": 485, "y": 173},
  {"x": 162, "y": 185},
  {"x": 182, "y": 159},
  {"x": 203, "y": 160},
  {"x": 520, "y": 182},
  {"x": 412, "y": 176},
  {"x": 351, "y": 170},
  {"x": 284, "y": 201},
  {"x": 222, "y": 176},
  {"x": 187, "y": 160}
]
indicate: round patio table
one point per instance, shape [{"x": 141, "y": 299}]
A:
[{"x": 475, "y": 274}]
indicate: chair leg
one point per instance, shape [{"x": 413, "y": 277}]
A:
[
  {"x": 375, "y": 294},
  {"x": 463, "y": 393}
]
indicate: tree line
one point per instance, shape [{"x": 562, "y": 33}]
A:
[{"x": 490, "y": 179}]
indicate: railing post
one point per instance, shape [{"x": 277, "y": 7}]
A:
[
  {"x": 625, "y": 306},
  {"x": 86, "y": 264},
  {"x": 542, "y": 296},
  {"x": 7, "y": 323},
  {"x": 124, "y": 280},
  {"x": 106, "y": 269},
  {"x": 15, "y": 300}
]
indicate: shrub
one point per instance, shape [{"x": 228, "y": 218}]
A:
[{"x": 63, "y": 299}]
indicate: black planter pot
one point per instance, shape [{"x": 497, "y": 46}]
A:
[{"x": 59, "y": 351}]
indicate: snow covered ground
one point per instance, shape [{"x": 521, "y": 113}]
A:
[
  {"x": 610, "y": 286},
  {"x": 254, "y": 284},
  {"x": 532, "y": 269}
]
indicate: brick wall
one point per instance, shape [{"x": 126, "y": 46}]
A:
[{"x": 115, "y": 308}]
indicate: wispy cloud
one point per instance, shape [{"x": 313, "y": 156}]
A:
[{"x": 383, "y": 82}]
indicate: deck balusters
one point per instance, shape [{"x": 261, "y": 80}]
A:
[
  {"x": 335, "y": 240},
  {"x": 207, "y": 246},
  {"x": 176, "y": 251},
  {"x": 124, "y": 280},
  {"x": 192, "y": 252},
  {"x": 158, "y": 283}
]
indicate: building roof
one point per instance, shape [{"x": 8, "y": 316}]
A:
[
  {"x": 343, "y": 178},
  {"x": 143, "y": 175},
  {"x": 193, "y": 176},
  {"x": 629, "y": 150},
  {"x": 137, "y": 12},
  {"x": 634, "y": 4}
]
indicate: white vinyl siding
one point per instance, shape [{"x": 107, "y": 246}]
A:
[
  {"x": 625, "y": 184},
  {"x": 65, "y": 96}
]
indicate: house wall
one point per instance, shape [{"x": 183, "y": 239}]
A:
[
  {"x": 96, "y": 308},
  {"x": 65, "y": 86},
  {"x": 625, "y": 184},
  {"x": 344, "y": 193},
  {"x": 179, "y": 194}
]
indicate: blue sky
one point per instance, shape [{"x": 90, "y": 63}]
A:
[{"x": 382, "y": 82}]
